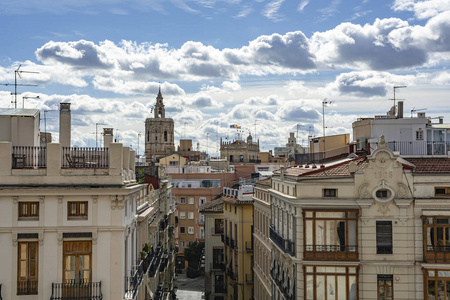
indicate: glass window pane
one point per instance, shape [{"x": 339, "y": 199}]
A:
[
  {"x": 430, "y": 236},
  {"x": 443, "y": 273},
  {"x": 320, "y": 232},
  {"x": 388, "y": 289},
  {"x": 352, "y": 214},
  {"x": 308, "y": 214},
  {"x": 381, "y": 291},
  {"x": 431, "y": 274},
  {"x": 440, "y": 236},
  {"x": 331, "y": 287},
  {"x": 431, "y": 289},
  {"x": 352, "y": 236},
  {"x": 330, "y": 234},
  {"x": 24, "y": 209},
  {"x": 320, "y": 287},
  {"x": 309, "y": 234},
  {"x": 342, "y": 294},
  {"x": 23, "y": 268},
  {"x": 309, "y": 287},
  {"x": 352, "y": 287},
  {"x": 309, "y": 269},
  {"x": 34, "y": 209},
  {"x": 32, "y": 268},
  {"x": 330, "y": 214},
  {"x": 441, "y": 292},
  {"x": 82, "y": 209}
]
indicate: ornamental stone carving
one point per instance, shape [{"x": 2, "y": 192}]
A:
[{"x": 363, "y": 191}]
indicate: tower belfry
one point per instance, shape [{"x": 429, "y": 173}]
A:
[{"x": 159, "y": 106}]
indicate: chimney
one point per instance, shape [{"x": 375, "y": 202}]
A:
[
  {"x": 65, "y": 120},
  {"x": 107, "y": 136},
  {"x": 400, "y": 110}
]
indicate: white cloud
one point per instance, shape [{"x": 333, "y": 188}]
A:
[
  {"x": 271, "y": 10},
  {"x": 423, "y": 9},
  {"x": 302, "y": 5}
]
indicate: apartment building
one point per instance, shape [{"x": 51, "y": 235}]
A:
[
  {"x": 238, "y": 242},
  {"x": 372, "y": 227},
  {"x": 261, "y": 240},
  {"x": 214, "y": 266}
]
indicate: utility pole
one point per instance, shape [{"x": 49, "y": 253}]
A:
[{"x": 324, "y": 103}]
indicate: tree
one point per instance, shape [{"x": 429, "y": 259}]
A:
[{"x": 193, "y": 254}]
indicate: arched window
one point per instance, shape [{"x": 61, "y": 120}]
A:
[
  {"x": 165, "y": 136},
  {"x": 148, "y": 136}
]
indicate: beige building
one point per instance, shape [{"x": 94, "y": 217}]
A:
[
  {"x": 173, "y": 160},
  {"x": 333, "y": 146},
  {"x": 214, "y": 266},
  {"x": 239, "y": 151},
  {"x": 261, "y": 241},
  {"x": 367, "y": 228},
  {"x": 159, "y": 132}
]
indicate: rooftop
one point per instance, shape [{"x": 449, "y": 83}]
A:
[
  {"x": 20, "y": 112},
  {"x": 215, "y": 206}
]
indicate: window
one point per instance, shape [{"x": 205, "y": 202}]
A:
[
  {"x": 329, "y": 193},
  {"x": 182, "y": 244},
  {"x": 201, "y": 200},
  {"x": 382, "y": 194},
  {"x": 182, "y": 229},
  {"x": 29, "y": 210},
  {"x": 191, "y": 215},
  {"x": 182, "y": 215},
  {"x": 331, "y": 234},
  {"x": 173, "y": 163},
  {"x": 27, "y": 268},
  {"x": 437, "y": 239},
  {"x": 219, "y": 286},
  {"x": 442, "y": 192},
  {"x": 217, "y": 258},
  {"x": 419, "y": 135},
  {"x": 326, "y": 282},
  {"x": 77, "y": 210},
  {"x": 202, "y": 232},
  {"x": 436, "y": 284},
  {"x": 384, "y": 237},
  {"x": 191, "y": 230},
  {"x": 241, "y": 158},
  {"x": 165, "y": 136},
  {"x": 385, "y": 287},
  {"x": 182, "y": 200},
  {"x": 190, "y": 200},
  {"x": 218, "y": 226}
]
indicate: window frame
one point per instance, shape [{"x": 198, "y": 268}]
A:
[
  {"x": 382, "y": 282},
  {"x": 428, "y": 276},
  {"x": 182, "y": 228},
  {"x": 191, "y": 230},
  {"x": 182, "y": 217},
  {"x": 446, "y": 193},
  {"x": 28, "y": 215},
  {"x": 218, "y": 226},
  {"x": 182, "y": 200},
  {"x": 191, "y": 200},
  {"x": 331, "y": 195},
  {"x": 191, "y": 215},
  {"x": 33, "y": 289},
  {"x": 78, "y": 214},
  {"x": 383, "y": 249},
  {"x": 436, "y": 251}
]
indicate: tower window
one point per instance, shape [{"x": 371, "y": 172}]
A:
[{"x": 165, "y": 136}]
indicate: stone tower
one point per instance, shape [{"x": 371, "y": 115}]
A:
[{"x": 159, "y": 132}]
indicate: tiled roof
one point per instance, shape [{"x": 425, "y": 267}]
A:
[
  {"x": 340, "y": 169},
  {"x": 429, "y": 165},
  {"x": 215, "y": 206},
  {"x": 266, "y": 182}
]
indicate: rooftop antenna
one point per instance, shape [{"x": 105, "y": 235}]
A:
[
  {"x": 397, "y": 87},
  {"x": 96, "y": 132},
  {"x": 418, "y": 109},
  {"x": 17, "y": 72},
  {"x": 28, "y": 97}
]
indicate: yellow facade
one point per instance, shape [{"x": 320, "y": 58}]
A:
[{"x": 238, "y": 242}]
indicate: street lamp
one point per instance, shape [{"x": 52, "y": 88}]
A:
[{"x": 324, "y": 103}]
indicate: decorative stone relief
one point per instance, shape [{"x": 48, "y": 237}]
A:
[
  {"x": 15, "y": 199},
  {"x": 60, "y": 199},
  {"x": 363, "y": 191},
  {"x": 94, "y": 237},
  {"x": 113, "y": 199},
  {"x": 41, "y": 238},
  {"x": 402, "y": 190},
  {"x": 383, "y": 208},
  {"x": 14, "y": 239},
  {"x": 60, "y": 238},
  {"x": 41, "y": 198},
  {"x": 94, "y": 198},
  {"x": 120, "y": 201}
]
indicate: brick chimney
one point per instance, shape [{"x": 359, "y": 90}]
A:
[
  {"x": 65, "y": 121},
  {"x": 107, "y": 136}
]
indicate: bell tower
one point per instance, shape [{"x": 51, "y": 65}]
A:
[
  {"x": 159, "y": 132},
  {"x": 160, "y": 112}
]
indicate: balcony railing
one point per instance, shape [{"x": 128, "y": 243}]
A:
[
  {"x": 77, "y": 290},
  {"x": 416, "y": 147},
  {"x": 217, "y": 266},
  {"x": 331, "y": 252},
  {"x": 277, "y": 239},
  {"x": 437, "y": 254},
  {"x": 29, "y": 157},
  {"x": 27, "y": 287},
  {"x": 85, "y": 158},
  {"x": 219, "y": 289},
  {"x": 384, "y": 249},
  {"x": 231, "y": 243}
]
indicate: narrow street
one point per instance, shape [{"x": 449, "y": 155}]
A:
[{"x": 190, "y": 288}]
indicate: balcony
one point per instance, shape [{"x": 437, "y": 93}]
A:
[
  {"x": 200, "y": 221},
  {"x": 29, "y": 157},
  {"x": 227, "y": 241},
  {"x": 218, "y": 266},
  {"x": 233, "y": 276},
  {"x": 219, "y": 289},
  {"x": 85, "y": 158},
  {"x": 416, "y": 147},
  {"x": 77, "y": 290},
  {"x": 248, "y": 246},
  {"x": 27, "y": 287},
  {"x": 331, "y": 252},
  {"x": 277, "y": 239}
]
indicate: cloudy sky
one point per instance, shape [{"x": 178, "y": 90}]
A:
[{"x": 265, "y": 65}]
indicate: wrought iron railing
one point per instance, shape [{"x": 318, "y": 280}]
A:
[
  {"x": 77, "y": 290},
  {"x": 416, "y": 147},
  {"x": 384, "y": 249},
  {"x": 232, "y": 243},
  {"x": 85, "y": 158},
  {"x": 277, "y": 239},
  {"x": 219, "y": 288},
  {"x": 26, "y": 157},
  {"x": 439, "y": 248},
  {"x": 27, "y": 287},
  {"x": 330, "y": 248}
]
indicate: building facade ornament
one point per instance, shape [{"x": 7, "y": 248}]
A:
[{"x": 15, "y": 199}]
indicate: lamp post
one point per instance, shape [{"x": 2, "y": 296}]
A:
[{"x": 324, "y": 103}]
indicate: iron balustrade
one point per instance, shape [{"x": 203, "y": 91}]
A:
[
  {"x": 85, "y": 158},
  {"x": 330, "y": 248},
  {"x": 27, "y": 287},
  {"x": 416, "y": 147},
  {"x": 77, "y": 290},
  {"x": 384, "y": 249},
  {"x": 277, "y": 239},
  {"x": 26, "y": 157},
  {"x": 290, "y": 247},
  {"x": 222, "y": 237},
  {"x": 439, "y": 248}
]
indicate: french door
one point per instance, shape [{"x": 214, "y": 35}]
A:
[{"x": 77, "y": 268}]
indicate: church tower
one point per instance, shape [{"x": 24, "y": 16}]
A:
[{"x": 159, "y": 132}]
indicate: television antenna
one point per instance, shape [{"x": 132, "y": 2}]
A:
[
  {"x": 418, "y": 109},
  {"x": 17, "y": 72},
  {"x": 397, "y": 87}
]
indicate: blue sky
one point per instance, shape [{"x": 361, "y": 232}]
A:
[{"x": 226, "y": 62}]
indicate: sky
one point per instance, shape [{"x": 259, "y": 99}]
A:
[{"x": 264, "y": 65}]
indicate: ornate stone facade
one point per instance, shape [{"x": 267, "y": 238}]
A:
[
  {"x": 240, "y": 151},
  {"x": 159, "y": 132}
]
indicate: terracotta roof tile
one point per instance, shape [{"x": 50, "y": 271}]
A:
[
  {"x": 215, "y": 206},
  {"x": 429, "y": 165}
]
